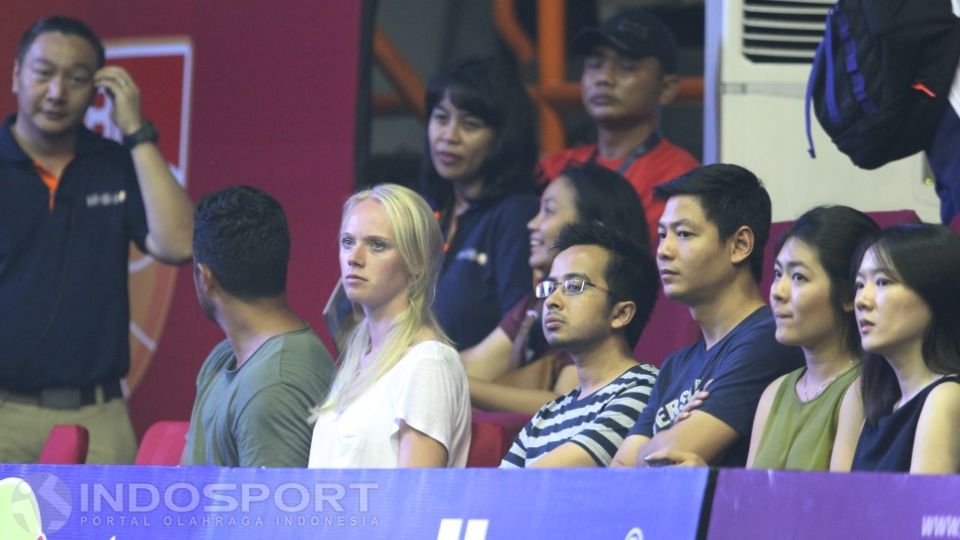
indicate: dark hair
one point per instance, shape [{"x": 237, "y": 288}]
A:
[
  {"x": 64, "y": 25},
  {"x": 605, "y": 197},
  {"x": 834, "y": 233},
  {"x": 492, "y": 91},
  {"x": 926, "y": 259},
  {"x": 241, "y": 234},
  {"x": 630, "y": 273},
  {"x": 731, "y": 197}
]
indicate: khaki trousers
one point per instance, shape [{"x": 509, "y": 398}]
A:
[{"x": 24, "y": 428}]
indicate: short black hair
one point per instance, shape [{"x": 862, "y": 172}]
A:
[
  {"x": 604, "y": 196},
  {"x": 926, "y": 259},
  {"x": 631, "y": 273},
  {"x": 64, "y": 25},
  {"x": 490, "y": 89},
  {"x": 731, "y": 197},
  {"x": 241, "y": 235}
]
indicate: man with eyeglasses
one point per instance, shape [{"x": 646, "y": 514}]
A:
[
  {"x": 71, "y": 202},
  {"x": 596, "y": 301},
  {"x": 712, "y": 232}
]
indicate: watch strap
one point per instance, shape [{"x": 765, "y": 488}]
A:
[{"x": 146, "y": 133}]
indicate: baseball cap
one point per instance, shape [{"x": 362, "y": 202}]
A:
[{"x": 633, "y": 32}]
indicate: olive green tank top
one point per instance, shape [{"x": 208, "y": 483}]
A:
[{"x": 799, "y": 435}]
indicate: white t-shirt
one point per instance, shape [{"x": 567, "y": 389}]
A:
[{"x": 427, "y": 389}]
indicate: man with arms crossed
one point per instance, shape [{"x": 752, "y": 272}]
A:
[
  {"x": 712, "y": 232},
  {"x": 70, "y": 204},
  {"x": 597, "y": 300},
  {"x": 256, "y": 388}
]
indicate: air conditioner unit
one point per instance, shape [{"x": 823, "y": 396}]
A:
[{"x": 758, "y": 56}]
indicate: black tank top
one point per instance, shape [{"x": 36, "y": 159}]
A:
[{"x": 888, "y": 446}]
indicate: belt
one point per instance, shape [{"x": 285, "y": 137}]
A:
[{"x": 65, "y": 398}]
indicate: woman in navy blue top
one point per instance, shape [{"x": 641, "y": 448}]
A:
[
  {"x": 478, "y": 173},
  {"x": 908, "y": 313}
]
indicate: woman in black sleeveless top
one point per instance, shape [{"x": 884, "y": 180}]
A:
[{"x": 908, "y": 313}]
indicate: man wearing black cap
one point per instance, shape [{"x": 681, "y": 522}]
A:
[{"x": 629, "y": 73}]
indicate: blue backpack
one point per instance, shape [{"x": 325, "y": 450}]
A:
[{"x": 881, "y": 77}]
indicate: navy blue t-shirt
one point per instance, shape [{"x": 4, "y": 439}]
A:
[
  {"x": 64, "y": 313},
  {"x": 486, "y": 269},
  {"x": 741, "y": 366}
]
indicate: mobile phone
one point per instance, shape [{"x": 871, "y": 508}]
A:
[{"x": 663, "y": 462}]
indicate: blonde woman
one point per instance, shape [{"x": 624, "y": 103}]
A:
[{"x": 400, "y": 398}]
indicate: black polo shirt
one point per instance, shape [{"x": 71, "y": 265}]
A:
[
  {"x": 486, "y": 269},
  {"x": 64, "y": 312}
]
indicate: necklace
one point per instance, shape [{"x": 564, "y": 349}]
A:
[{"x": 803, "y": 383}]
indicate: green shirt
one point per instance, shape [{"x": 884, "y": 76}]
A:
[
  {"x": 799, "y": 435},
  {"x": 256, "y": 416}
]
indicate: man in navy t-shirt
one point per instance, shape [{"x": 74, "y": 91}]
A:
[{"x": 712, "y": 232}]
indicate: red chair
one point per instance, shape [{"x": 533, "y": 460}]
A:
[
  {"x": 488, "y": 444},
  {"x": 67, "y": 444},
  {"x": 669, "y": 329},
  {"x": 163, "y": 443},
  {"x": 511, "y": 422}
]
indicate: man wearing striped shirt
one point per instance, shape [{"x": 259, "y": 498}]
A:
[{"x": 597, "y": 299}]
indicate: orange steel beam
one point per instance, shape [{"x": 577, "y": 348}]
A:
[
  {"x": 505, "y": 20},
  {"x": 563, "y": 96},
  {"x": 551, "y": 28},
  {"x": 552, "y": 95},
  {"x": 400, "y": 73},
  {"x": 567, "y": 94}
]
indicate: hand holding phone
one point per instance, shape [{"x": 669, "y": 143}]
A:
[
  {"x": 658, "y": 462},
  {"x": 673, "y": 458}
]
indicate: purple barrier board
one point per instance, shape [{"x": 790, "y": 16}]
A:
[
  {"x": 789, "y": 504},
  {"x": 123, "y": 502}
]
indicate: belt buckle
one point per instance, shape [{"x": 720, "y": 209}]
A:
[{"x": 60, "y": 398}]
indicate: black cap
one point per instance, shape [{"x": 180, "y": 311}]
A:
[{"x": 635, "y": 33}]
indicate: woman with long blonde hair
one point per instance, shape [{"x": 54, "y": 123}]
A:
[{"x": 400, "y": 398}]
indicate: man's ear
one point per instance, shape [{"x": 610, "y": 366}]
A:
[
  {"x": 204, "y": 277},
  {"x": 13, "y": 78},
  {"x": 621, "y": 314},
  {"x": 741, "y": 244},
  {"x": 669, "y": 88}
]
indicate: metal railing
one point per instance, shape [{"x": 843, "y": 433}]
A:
[{"x": 552, "y": 93}]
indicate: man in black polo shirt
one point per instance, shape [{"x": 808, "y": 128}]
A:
[{"x": 70, "y": 203}]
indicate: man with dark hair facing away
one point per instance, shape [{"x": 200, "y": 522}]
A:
[
  {"x": 596, "y": 301},
  {"x": 256, "y": 387},
  {"x": 71, "y": 202},
  {"x": 712, "y": 232}
]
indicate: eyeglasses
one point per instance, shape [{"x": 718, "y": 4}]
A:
[{"x": 571, "y": 286}]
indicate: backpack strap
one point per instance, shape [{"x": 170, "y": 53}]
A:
[
  {"x": 853, "y": 68},
  {"x": 824, "y": 49},
  {"x": 808, "y": 100}
]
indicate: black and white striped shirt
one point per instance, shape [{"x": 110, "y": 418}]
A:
[{"x": 598, "y": 423}]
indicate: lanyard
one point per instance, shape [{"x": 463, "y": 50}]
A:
[{"x": 636, "y": 154}]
